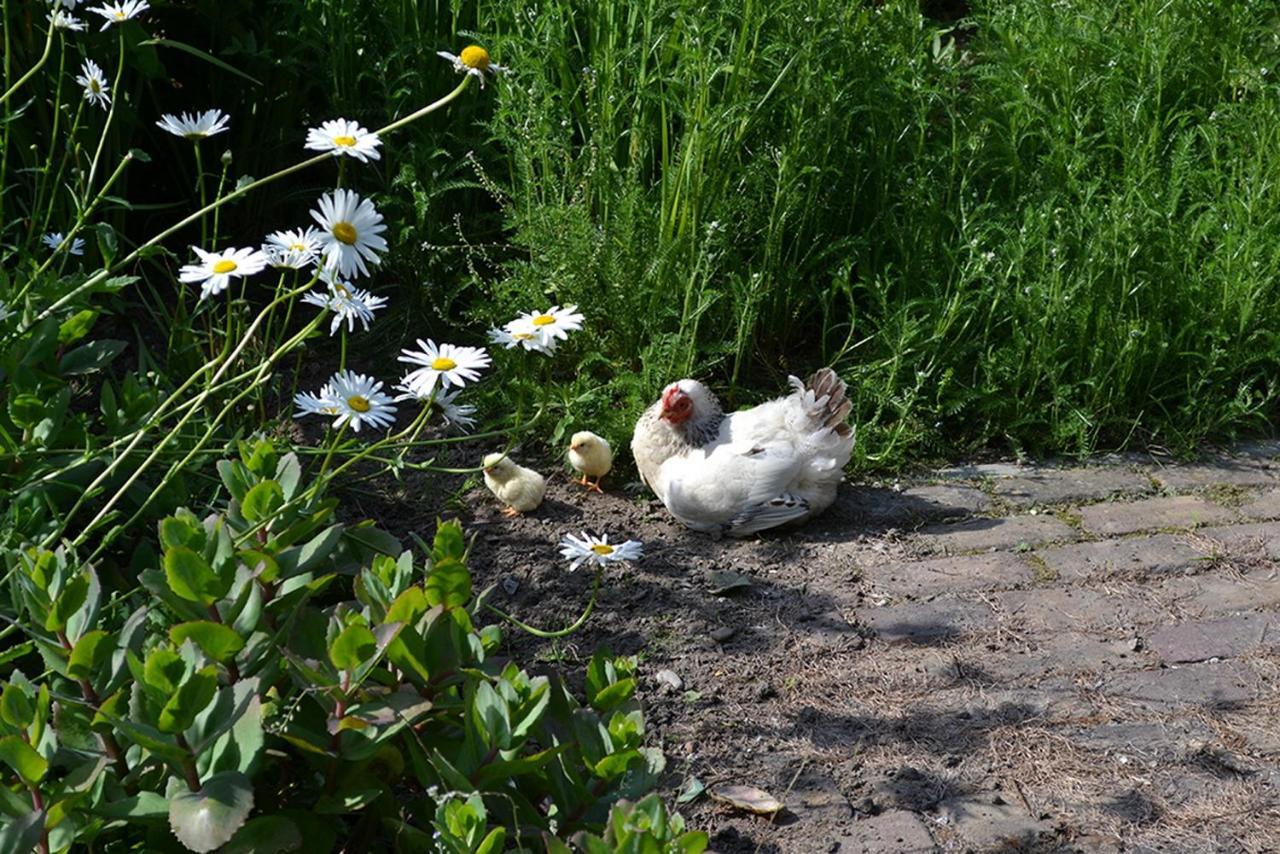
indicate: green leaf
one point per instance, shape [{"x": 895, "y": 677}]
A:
[
  {"x": 197, "y": 52},
  {"x": 191, "y": 698},
  {"x": 352, "y": 647},
  {"x": 182, "y": 529},
  {"x": 218, "y": 641},
  {"x": 266, "y": 834},
  {"x": 190, "y": 576},
  {"x": 449, "y": 583},
  {"x": 614, "y": 694},
  {"x": 76, "y": 326},
  {"x": 491, "y": 716},
  {"x": 69, "y": 601},
  {"x": 23, "y": 758},
  {"x": 206, "y": 819},
  {"x": 449, "y": 542},
  {"x": 15, "y": 706},
  {"x": 262, "y": 501},
  {"x": 93, "y": 356},
  {"x": 22, "y": 834},
  {"x": 144, "y": 805},
  {"x": 88, "y": 653},
  {"x": 163, "y": 670},
  {"x": 494, "y": 842},
  {"x": 16, "y": 651}
]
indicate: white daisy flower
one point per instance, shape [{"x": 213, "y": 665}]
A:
[
  {"x": 292, "y": 249},
  {"x": 521, "y": 338},
  {"x": 347, "y": 302},
  {"x": 216, "y": 269},
  {"x": 351, "y": 232},
  {"x": 67, "y": 4},
  {"x": 359, "y": 400},
  {"x": 453, "y": 414},
  {"x": 548, "y": 326},
  {"x": 598, "y": 550},
  {"x": 194, "y": 125},
  {"x": 118, "y": 13},
  {"x": 94, "y": 82},
  {"x": 61, "y": 20},
  {"x": 55, "y": 241},
  {"x": 446, "y": 364},
  {"x": 344, "y": 137},
  {"x": 473, "y": 60},
  {"x": 316, "y": 404}
]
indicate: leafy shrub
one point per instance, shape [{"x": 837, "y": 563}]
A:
[{"x": 280, "y": 664}]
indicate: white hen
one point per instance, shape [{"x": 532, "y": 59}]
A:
[{"x": 737, "y": 474}]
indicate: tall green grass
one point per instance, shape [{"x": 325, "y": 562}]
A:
[{"x": 1051, "y": 227}]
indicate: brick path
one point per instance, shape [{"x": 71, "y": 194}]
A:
[{"x": 1081, "y": 658}]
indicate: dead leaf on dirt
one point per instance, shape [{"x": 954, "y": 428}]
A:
[
  {"x": 690, "y": 791},
  {"x": 723, "y": 581},
  {"x": 747, "y": 798}
]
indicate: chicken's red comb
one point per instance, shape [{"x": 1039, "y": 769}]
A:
[{"x": 669, "y": 396}]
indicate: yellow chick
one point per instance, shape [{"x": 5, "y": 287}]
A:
[
  {"x": 591, "y": 455},
  {"x": 519, "y": 488}
]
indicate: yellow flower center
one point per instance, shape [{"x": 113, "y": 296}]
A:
[
  {"x": 344, "y": 141},
  {"x": 118, "y": 14},
  {"x": 297, "y": 247},
  {"x": 544, "y": 320},
  {"x": 345, "y": 231},
  {"x": 226, "y": 265},
  {"x": 342, "y": 292},
  {"x": 602, "y": 550},
  {"x": 474, "y": 56},
  {"x": 443, "y": 363},
  {"x": 94, "y": 86},
  {"x": 358, "y": 403},
  {"x": 194, "y": 134},
  {"x": 523, "y": 336}
]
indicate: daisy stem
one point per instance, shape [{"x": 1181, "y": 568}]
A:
[
  {"x": 111, "y": 114},
  {"x": 333, "y": 446},
  {"x": 100, "y": 276},
  {"x": 342, "y": 350},
  {"x": 62, "y": 164},
  {"x": 193, "y": 406},
  {"x": 48, "y": 46},
  {"x": 567, "y": 630},
  {"x": 43, "y": 178},
  {"x": 83, "y": 215},
  {"x": 342, "y": 170},
  {"x": 204, "y": 201},
  {"x": 222, "y": 183}
]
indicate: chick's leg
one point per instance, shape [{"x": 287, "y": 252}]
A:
[
  {"x": 510, "y": 512},
  {"x": 593, "y": 487}
]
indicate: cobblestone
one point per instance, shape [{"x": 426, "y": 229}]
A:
[
  {"x": 990, "y": 534},
  {"x": 1160, "y": 554},
  {"x": 1180, "y": 511}
]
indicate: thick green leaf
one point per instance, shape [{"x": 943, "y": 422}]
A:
[
  {"x": 262, "y": 501},
  {"x": 69, "y": 601},
  {"x": 22, "y": 834},
  {"x": 209, "y": 818},
  {"x": 88, "y": 653},
  {"x": 494, "y": 842},
  {"x": 449, "y": 583},
  {"x": 16, "y": 708},
  {"x": 352, "y": 647},
  {"x": 190, "y": 576},
  {"x": 215, "y": 640},
  {"x": 266, "y": 834},
  {"x": 76, "y": 326},
  {"x": 144, "y": 805},
  {"x": 191, "y": 698},
  {"x": 93, "y": 356},
  {"x": 23, "y": 758}
]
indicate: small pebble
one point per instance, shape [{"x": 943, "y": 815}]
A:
[
  {"x": 763, "y": 690},
  {"x": 510, "y": 585},
  {"x": 723, "y": 633}
]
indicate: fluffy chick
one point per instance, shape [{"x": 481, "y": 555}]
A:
[
  {"x": 590, "y": 455},
  {"x": 519, "y": 488}
]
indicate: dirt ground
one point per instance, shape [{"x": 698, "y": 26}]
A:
[{"x": 992, "y": 657}]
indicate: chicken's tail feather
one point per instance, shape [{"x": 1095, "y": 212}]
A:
[{"x": 832, "y": 407}]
